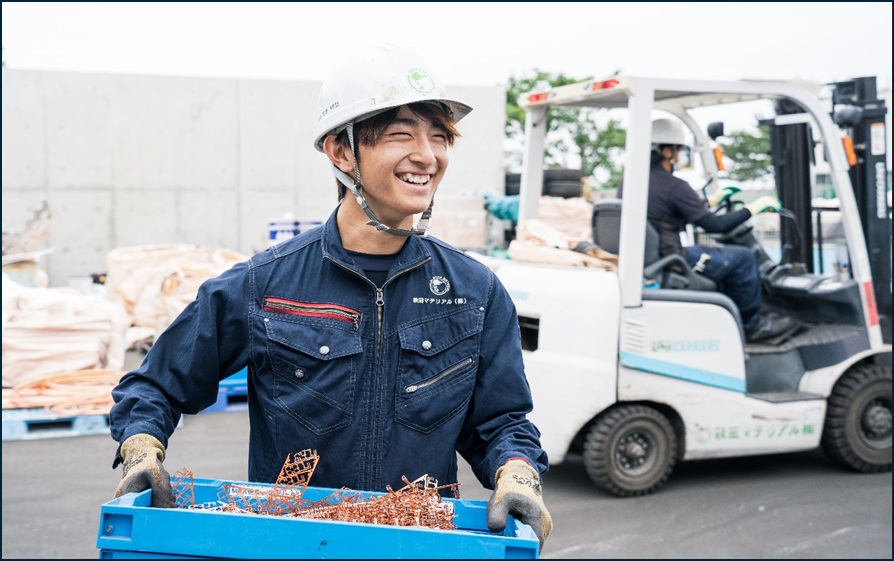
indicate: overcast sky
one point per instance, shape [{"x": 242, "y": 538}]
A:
[{"x": 480, "y": 43}]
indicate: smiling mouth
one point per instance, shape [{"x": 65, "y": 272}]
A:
[{"x": 415, "y": 179}]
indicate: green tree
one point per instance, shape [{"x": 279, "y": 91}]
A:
[
  {"x": 748, "y": 153},
  {"x": 601, "y": 148},
  {"x": 577, "y": 131},
  {"x": 556, "y": 119}
]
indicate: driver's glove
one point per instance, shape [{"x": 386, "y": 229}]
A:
[
  {"x": 720, "y": 196},
  {"x": 517, "y": 492},
  {"x": 764, "y": 204},
  {"x": 142, "y": 456}
]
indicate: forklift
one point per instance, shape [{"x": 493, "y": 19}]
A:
[{"x": 636, "y": 378}]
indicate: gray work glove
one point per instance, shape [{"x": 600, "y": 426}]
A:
[
  {"x": 142, "y": 456},
  {"x": 517, "y": 492}
]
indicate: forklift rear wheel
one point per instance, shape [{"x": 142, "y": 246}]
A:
[
  {"x": 857, "y": 432},
  {"x": 630, "y": 451}
]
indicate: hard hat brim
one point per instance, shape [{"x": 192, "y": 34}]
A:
[{"x": 457, "y": 109}]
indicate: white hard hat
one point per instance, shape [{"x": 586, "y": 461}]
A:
[
  {"x": 374, "y": 80},
  {"x": 668, "y": 131}
]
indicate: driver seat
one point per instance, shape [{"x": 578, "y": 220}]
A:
[{"x": 671, "y": 271}]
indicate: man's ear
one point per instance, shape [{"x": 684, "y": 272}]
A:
[{"x": 338, "y": 154}]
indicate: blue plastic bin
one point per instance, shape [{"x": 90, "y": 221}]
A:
[
  {"x": 130, "y": 528},
  {"x": 237, "y": 380},
  {"x": 232, "y": 393}
]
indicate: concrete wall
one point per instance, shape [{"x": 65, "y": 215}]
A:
[{"x": 127, "y": 159}]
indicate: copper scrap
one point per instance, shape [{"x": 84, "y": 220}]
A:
[
  {"x": 418, "y": 503},
  {"x": 183, "y": 488},
  {"x": 299, "y": 469}
]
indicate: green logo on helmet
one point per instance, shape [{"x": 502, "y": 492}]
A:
[{"x": 421, "y": 81}]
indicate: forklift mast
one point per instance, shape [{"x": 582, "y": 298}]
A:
[
  {"x": 862, "y": 114},
  {"x": 792, "y": 154}
]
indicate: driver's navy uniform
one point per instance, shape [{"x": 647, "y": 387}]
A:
[
  {"x": 382, "y": 382},
  {"x": 672, "y": 204}
]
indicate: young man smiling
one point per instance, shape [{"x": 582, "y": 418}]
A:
[{"x": 385, "y": 350}]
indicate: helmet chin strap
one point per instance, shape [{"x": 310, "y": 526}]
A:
[{"x": 355, "y": 186}]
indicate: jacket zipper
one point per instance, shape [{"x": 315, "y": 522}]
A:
[
  {"x": 416, "y": 387},
  {"x": 330, "y": 311},
  {"x": 380, "y": 302},
  {"x": 380, "y": 296},
  {"x": 380, "y": 313}
]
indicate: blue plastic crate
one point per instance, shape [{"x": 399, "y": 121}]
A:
[{"x": 130, "y": 528}]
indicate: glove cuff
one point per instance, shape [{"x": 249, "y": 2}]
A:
[
  {"x": 142, "y": 443},
  {"x": 516, "y": 464},
  {"x": 519, "y": 476}
]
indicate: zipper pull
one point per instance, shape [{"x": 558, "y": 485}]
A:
[{"x": 380, "y": 297}]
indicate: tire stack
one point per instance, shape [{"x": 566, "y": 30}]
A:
[
  {"x": 557, "y": 182},
  {"x": 513, "y": 184}
]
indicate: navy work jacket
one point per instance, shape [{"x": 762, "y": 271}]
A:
[{"x": 382, "y": 382}]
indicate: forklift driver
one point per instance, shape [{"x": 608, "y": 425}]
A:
[{"x": 673, "y": 203}]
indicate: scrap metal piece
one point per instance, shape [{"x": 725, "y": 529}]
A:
[
  {"x": 418, "y": 503},
  {"x": 183, "y": 487}
]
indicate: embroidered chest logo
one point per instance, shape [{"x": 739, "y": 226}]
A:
[{"x": 439, "y": 286}]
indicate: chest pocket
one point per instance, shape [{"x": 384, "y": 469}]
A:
[
  {"x": 436, "y": 372},
  {"x": 315, "y": 371}
]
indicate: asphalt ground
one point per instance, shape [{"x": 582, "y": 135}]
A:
[
  {"x": 790, "y": 506},
  {"x": 795, "y": 506}
]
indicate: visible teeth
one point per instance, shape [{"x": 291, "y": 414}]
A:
[{"x": 412, "y": 178}]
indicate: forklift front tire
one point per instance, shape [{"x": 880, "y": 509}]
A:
[
  {"x": 857, "y": 431},
  {"x": 630, "y": 451}
]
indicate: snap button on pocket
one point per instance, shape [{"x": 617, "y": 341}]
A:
[
  {"x": 300, "y": 374},
  {"x": 324, "y": 350},
  {"x": 426, "y": 345}
]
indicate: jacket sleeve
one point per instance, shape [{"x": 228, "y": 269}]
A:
[
  {"x": 207, "y": 342},
  {"x": 724, "y": 222},
  {"x": 497, "y": 428},
  {"x": 687, "y": 203}
]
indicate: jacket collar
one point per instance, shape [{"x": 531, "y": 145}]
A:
[{"x": 414, "y": 251}]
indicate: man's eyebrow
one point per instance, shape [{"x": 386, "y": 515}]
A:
[
  {"x": 409, "y": 121},
  {"x": 413, "y": 122}
]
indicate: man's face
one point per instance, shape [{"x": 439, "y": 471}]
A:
[
  {"x": 677, "y": 156},
  {"x": 403, "y": 169},
  {"x": 681, "y": 157}
]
